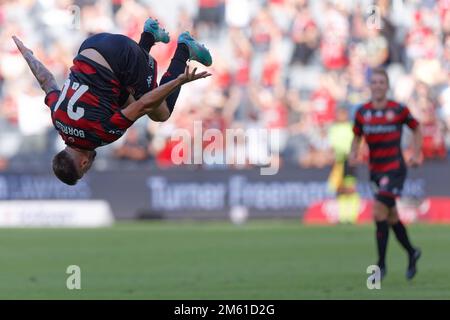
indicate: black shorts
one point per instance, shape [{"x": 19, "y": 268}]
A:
[
  {"x": 389, "y": 184},
  {"x": 130, "y": 63}
]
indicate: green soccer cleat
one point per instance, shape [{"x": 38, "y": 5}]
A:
[
  {"x": 160, "y": 34},
  {"x": 197, "y": 51}
]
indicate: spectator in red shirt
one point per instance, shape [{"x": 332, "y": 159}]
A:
[
  {"x": 333, "y": 46},
  {"x": 323, "y": 104}
]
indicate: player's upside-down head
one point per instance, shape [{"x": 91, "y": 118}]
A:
[{"x": 71, "y": 164}]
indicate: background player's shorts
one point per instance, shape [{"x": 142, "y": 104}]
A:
[{"x": 388, "y": 186}]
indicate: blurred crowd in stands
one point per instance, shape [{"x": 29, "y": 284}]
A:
[{"x": 296, "y": 66}]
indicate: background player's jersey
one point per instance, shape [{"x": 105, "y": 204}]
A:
[
  {"x": 382, "y": 130},
  {"x": 87, "y": 113}
]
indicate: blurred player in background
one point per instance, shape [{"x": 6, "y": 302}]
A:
[
  {"x": 380, "y": 122},
  {"x": 342, "y": 179},
  {"x": 112, "y": 83}
]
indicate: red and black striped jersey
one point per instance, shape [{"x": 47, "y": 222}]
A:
[
  {"x": 86, "y": 112},
  {"x": 382, "y": 130}
]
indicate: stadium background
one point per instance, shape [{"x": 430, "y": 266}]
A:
[
  {"x": 275, "y": 67},
  {"x": 299, "y": 67}
]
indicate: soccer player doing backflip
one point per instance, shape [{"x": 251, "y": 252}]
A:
[{"x": 111, "y": 84}]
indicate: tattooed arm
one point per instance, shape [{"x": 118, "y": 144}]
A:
[{"x": 43, "y": 76}]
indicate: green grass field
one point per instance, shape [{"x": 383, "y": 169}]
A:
[{"x": 216, "y": 260}]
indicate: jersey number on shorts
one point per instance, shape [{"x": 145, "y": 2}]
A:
[{"x": 79, "y": 91}]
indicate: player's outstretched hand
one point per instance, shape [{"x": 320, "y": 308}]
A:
[
  {"x": 23, "y": 50},
  {"x": 192, "y": 76}
]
